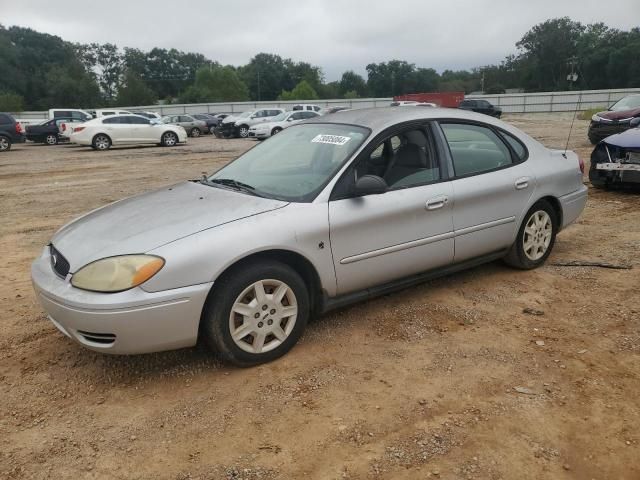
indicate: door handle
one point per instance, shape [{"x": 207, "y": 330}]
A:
[
  {"x": 437, "y": 202},
  {"x": 522, "y": 183}
]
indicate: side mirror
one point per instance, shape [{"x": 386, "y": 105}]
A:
[
  {"x": 635, "y": 122},
  {"x": 369, "y": 185}
]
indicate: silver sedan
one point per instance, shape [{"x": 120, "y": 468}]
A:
[{"x": 328, "y": 212}]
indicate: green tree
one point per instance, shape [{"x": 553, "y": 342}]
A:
[
  {"x": 352, "y": 82},
  {"x": 302, "y": 91},
  {"x": 134, "y": 91},
  {"x": 216, "y": 84},
  {"x": 11, "y": 102},
  {"x": 265, "y": 76}
]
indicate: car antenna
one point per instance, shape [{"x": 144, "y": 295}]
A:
[{"x": 575, "y": 112}]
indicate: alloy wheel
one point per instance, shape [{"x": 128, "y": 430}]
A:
[
  {"x": 102, "y": 142},
  {"x": 263, "y": 316},
  {"x": 51, "y": 139},
  {"x": 537, "y": 235},
  {"x": 195, "y": 132},
  {"x": 4, "y": 144},
  {"x": 244, "y": 132},
  {"x": 170, "y": 139}
]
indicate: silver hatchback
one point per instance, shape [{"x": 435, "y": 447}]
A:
[{"x": 328, "y": 212}]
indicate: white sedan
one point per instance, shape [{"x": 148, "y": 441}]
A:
[
  {"x": 102, "y": 133},
  {"x": 279, "y": 123}
]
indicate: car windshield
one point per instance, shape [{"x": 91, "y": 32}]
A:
[
  {"x": 295, "y": 164},
  {"x": 626, "y": 103},
  {"x": 279, "y": 118},
  {"x": 245, "y": 114}
]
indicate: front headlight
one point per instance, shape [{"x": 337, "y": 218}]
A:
[
  {"x": 115, "y": 274},
  {"x": 595, "y": 118}
]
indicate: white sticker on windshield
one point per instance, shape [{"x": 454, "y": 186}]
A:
[{"x": 331, "y": 139}]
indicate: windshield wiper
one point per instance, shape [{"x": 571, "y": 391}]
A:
[{"x": 229, "y": 182}]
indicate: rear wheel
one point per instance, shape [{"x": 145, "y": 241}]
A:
[
  {"x": 276, "y": 130},
  {"x": 5, "y": 144},
  {"x": 51, "y": 139},
  {"x": 212, "y": 129},
  {"x": 256, "y": 314},
  {"x": 536, "y": 237},
  {"x": 101, "y": 142},
  {"x": 195, "y": 132},
  {"x": 169, "y": 139}
]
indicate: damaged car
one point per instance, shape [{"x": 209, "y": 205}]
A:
[
  {"x": 616, "y": 160},
  {"x": 616, "y": 119}
]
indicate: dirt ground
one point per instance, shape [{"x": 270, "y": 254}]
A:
[{"x": 418, "y": 384}]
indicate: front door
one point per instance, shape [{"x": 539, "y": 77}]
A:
[{"x": 407, "y": 230}]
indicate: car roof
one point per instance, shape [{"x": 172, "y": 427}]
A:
[{"x": 378, "y": 119}]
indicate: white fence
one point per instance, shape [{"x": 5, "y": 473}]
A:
[{"x": 510, "y": 103}]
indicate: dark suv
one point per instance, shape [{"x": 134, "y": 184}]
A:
[
  {"x": 10, "y": 132},
  {"x": 616, "y": 119},
  {"x": 481, "y": 106}
]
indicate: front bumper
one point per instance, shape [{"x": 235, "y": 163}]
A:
[
  {"x": 130, "y": 322},
  {"x": 258, "y": 133}
]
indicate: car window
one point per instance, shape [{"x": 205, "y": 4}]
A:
[
  {"x": 517, "y": 145},
  {"x": 61, "y": 113},
  {"x": 104, "y": 114},
  {"x": 111, "y": 120},
  {"x": 297, "y": 116},
  {"x": 475, "y": 149},
  {"x": 297, "y": 163},
  {"x": 5, "y": 118},
  {"x": 297, "y": 107},
  {"x": 185, "y": 118},
  {"x": 134, "y": 120}
]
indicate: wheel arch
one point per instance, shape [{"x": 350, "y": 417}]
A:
[
  {"x": 101, "y": 133},
  {"x": 557, "y": 207},
  {"x": 294, "y": 260}
]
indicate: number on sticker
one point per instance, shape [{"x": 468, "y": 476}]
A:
[{"x": 331, "y": 139}]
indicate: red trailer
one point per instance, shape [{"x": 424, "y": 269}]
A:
[{"x": 442, "y": 99}]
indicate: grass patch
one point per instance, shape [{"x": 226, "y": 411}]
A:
[{"x": 587, "y": 114}]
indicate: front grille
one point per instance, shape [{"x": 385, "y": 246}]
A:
[
  {"x": 59, "y": 263},
  {"x": 102, "y": 338}
]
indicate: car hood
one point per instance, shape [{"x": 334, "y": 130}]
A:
[
  {"x": 144, "y": 222},
  {"x": 628, "y": 139},
  {"x": 619, "y": 115}
]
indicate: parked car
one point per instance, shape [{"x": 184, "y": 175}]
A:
[
  {"x": 307, "y": 106},
  {"x": 279, "y": 123},
  {"x": 336, "y": 109},
  {"x": 330, "y": 211},
  {"x": 211, "y": 121},
  {"x": 73, "y": 113},
  {"x": 193, "y": 126},
  {"x": 46, "y": 132},
  {"x": 616, "y": 160},
  {"x": 481, "y": 106},
  {"x": 149, "y": 115},
  {"x": 227, "y": 127},
  {"x": 261, "y": 115},
  {"x": 616, "y": 119},
  {"x": 103, "y": 132},
  {"x": 110, "y": 111},
  {"x": 10, "y": 132}
]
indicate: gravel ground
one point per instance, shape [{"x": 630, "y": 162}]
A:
[{"x": 488, "y": 374}]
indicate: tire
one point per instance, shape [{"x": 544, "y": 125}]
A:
[
  {"x": 536, "y": 237},
  {"x": 5, "y": 144},
  {"x": 169, "y": 139},
  {"x": 243, "y": 131},
  {"x": 212, "y": 129},
  {"x": 51, "y": 139},
  {"x": 275, "y": 131},
  {"x": 195, "y": 132},
  {"x": 239, "y": 289},
  {"x": 101, "y": 142}
]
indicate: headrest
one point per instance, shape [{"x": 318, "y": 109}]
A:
[
  {"x": 411, "y": 155},
  {"x": 417, "y": 137}
]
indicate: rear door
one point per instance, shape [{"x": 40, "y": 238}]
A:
[
  {"x": 376, "y": 239},
  {"x": 117, "y": 128},
  {"x": 492, "y": 186}
]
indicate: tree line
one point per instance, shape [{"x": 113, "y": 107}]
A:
[{"x": 39, "y": 70}]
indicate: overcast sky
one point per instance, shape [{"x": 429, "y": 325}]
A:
[{"x": 336, "y": 35}]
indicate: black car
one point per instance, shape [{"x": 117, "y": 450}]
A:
[
  {"x": 47, "y": 131},
  {"x": 481, "y": 106},
  {"x": 616, "y": 159},
  {"x": 211, "y": 121},
  {"x": 616, "y": 119},
  {"x": 10, "y": 132}
]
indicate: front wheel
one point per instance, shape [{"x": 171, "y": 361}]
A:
[
  {"x": 169, "y": 139},
  {"x": 276, "y": 131},
  {"x": 243, "y": 131},
  {"x": 51, "y": 139},
  {"x": 5, "y": 144},
  {"x": 535, "y": 239},
  {"x": 256, "y": 314},
  {"x": 195, "y": 132},
  {"x": 101, "y": 142}
]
